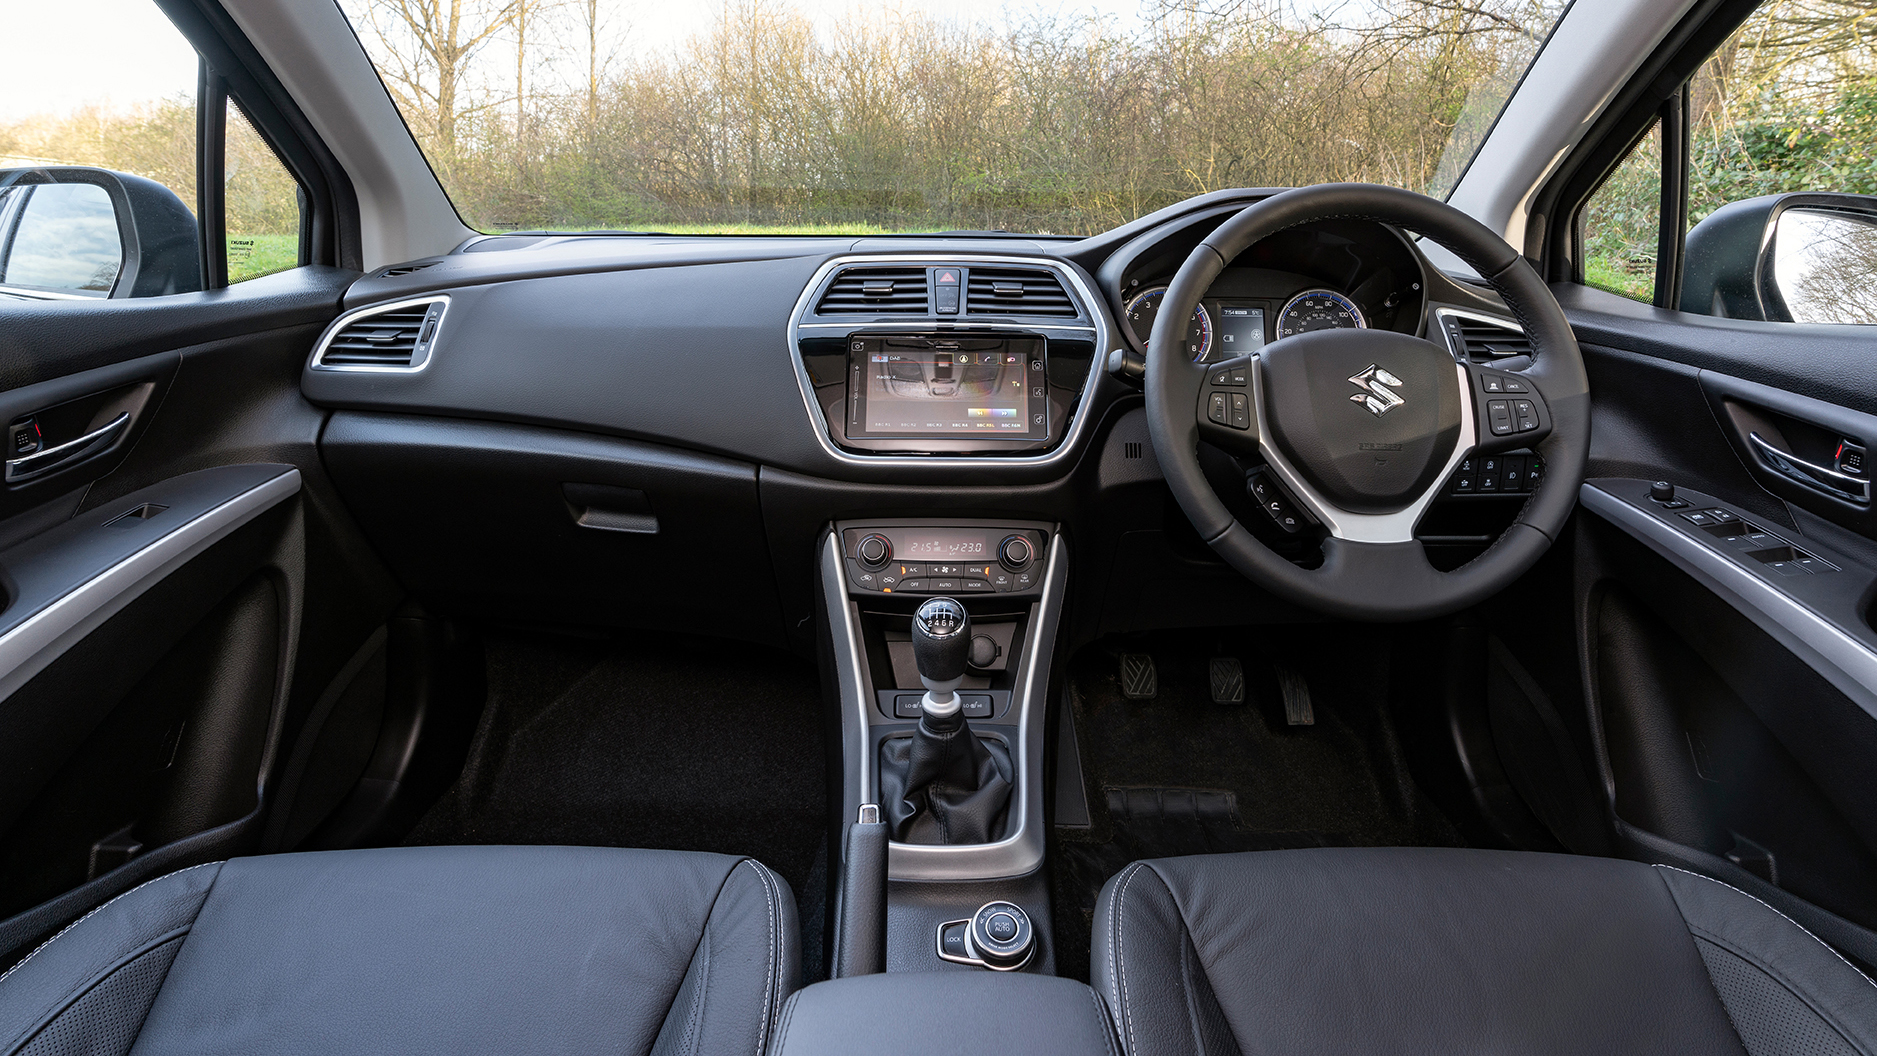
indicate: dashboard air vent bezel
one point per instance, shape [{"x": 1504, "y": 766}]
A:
[{"x": 423, "y": 315}]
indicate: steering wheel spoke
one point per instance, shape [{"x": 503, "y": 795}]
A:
[{"x": 1227, "y": 411}]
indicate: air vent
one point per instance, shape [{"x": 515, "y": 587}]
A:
[
  {"x": 875, "y": 291},
  {"x": 1017, "y": 291},
  {"x": 395, "y": 337},
  {"x": 1485, "y": 341},
  {"x": 406, "y": 269}
]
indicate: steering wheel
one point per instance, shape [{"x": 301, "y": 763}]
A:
[{"x": 1363, "y": 427}]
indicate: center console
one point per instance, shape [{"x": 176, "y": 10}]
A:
[{"x": 1008, "y": 578}]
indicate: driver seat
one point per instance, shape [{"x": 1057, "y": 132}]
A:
[{"x": 1434, "y": 950}]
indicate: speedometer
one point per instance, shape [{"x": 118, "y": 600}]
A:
[
  {"x": 1145, "y": 306},
  {"x": 1319, "y": 310}
]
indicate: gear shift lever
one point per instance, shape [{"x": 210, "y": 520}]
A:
[
  {"x": 944, "y": 784},
  {"x": 941, "y": 642}
]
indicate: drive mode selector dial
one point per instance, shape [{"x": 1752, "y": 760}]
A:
[
  {"x": 1015, "y": 553},
  {"x": 1001, "y": 936},
  {"x": 874, "y": 552}
]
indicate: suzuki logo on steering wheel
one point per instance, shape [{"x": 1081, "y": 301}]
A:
[{"x": 1378, "y": 390}]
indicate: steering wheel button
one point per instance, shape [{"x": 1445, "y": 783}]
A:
[
  {"x": 1221, "y": 377},
  {"x": 1241, "y": 410},
  {"x": 1492, "y": 383},
  {"x": 1216, "y": 407},
  {"x": 1515, "y": 385},
  {"x": 1239, "y": 377}
]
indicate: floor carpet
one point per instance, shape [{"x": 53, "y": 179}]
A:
[
  {"x": 660, "y": 742},
  {"x": 1178, "y": 774}
]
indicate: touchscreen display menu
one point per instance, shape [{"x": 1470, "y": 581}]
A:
[{"x": 913, "y": 385}]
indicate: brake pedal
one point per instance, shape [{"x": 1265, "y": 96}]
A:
[
  {"x": 1297, "y": 709},
  {"x": 1139, "y": 680},
  {"x": 1228, "y": 680}
]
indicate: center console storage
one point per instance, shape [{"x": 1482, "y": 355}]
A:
[{"x": 930, "y": 1014}]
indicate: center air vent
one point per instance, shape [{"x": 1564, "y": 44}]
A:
[
  {"x": 1017, "y": 291},
  {"x": 395, "y": 337},
  {"x": 1485, "y": 342},
  {"x": 875, "y": 291}
]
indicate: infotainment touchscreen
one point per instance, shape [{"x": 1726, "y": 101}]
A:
[{"x": 924, "y": 385}]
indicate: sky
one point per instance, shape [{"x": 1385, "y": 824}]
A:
[{"x": 66, "y": 54}]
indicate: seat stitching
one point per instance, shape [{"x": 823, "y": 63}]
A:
[
  {"x": 1782, "y": 916},
  {"x": 1773, "y": 973},
  {"x": 95, "y": 912},
  {"x": 770, "y": 973},
  {"x": 1120, "y": 959},
  {"x": 788, "y": 1019}
]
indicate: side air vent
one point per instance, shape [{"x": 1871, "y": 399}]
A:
[
  {"x": 406, "y": 269},
  {"x": 396, "y": 337},
  {"x": 1485, "y": 341},
  {"x": 875, "y": 291},
  {"x": 1017, "y": 291}
]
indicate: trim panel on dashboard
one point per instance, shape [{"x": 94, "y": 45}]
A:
[{"x": 1078, "y": 418}]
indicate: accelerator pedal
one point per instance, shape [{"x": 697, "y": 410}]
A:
[
  {"x": 1228, "y": 680},
  {"x": 1139, "y": 679},
  {"x": 1297, "y": 709}
]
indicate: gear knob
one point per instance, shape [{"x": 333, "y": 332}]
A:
[{"x": 941, "y": 643}]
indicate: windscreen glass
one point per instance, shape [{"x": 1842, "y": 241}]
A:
[{"x": 868, "y": 116}]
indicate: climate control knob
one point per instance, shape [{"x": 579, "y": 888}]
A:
[
  {"x": 874, "y": 552},
  {"x": 1015, "y": 553}
]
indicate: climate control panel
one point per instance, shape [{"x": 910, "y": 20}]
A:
[{"x": 905, "y": 558}]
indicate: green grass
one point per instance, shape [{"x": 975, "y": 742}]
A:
[
  {"x": 252, "y": 256},
  {"x": 1607, "y": 273},
  {"x": 748, "y": 229}
]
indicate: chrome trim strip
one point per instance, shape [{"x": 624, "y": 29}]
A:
[
  {"x": 856, "y": 730},
  {"x": 348, "y": 318},
  {"x": 1845, "y": 662},
  {"x": 1078, "y": 420},
  {"x": 44, "y": 636},
  {"x": 27, "y": 467},
  {"x": 1397, "y": 527}
]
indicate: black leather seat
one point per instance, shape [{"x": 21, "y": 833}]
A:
[
  {"x": 445, "y": 950},
  {"x": 1451, "y": 951}
]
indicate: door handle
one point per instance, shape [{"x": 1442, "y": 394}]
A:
[
  {"x": 1819, "y": 478},
  {"x": 39, "y": 463}
]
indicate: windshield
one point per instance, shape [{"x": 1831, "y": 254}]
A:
[{"x": 825, "y": 116}]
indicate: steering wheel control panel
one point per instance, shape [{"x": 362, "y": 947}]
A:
[{"x": 943, "y": 559}]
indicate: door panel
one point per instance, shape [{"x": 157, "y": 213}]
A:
[
  {"x": 1732, "y": 684},
  {"x": 175, "y": 603}
]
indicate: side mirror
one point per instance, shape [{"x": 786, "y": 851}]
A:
[
  {"x": 1806, "y": 258},
  {"x": 77, "y": 232}
]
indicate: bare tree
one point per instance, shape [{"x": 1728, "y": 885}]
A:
[{"x": 429, "y": 47}]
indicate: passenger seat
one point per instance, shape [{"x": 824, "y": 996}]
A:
[{"x": 419, "y": 950}]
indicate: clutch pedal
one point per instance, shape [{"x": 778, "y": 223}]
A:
[{"x": 1139, "y": 679}]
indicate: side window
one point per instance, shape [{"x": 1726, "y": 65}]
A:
[
  {"x": 100, "y": 194},
  {"x": 1623, "y": 223},
  {"x": 1769, "y": 145},
  {"x": 262, "y": 204}
]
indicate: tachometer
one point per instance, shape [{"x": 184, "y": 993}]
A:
[
  {"x": 1145, "y": 305},
  {"x": 1319, "y": 310}
]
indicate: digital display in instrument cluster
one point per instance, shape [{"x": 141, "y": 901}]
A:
[
  {"x": 1241, "y": 329},
  {"x": 936, "y": 385}
]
